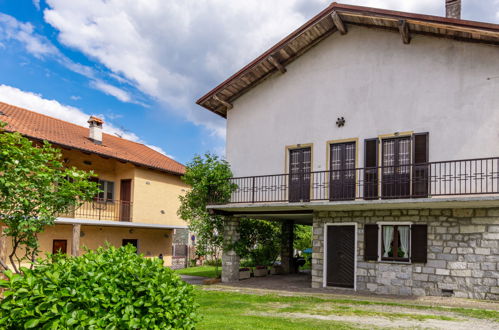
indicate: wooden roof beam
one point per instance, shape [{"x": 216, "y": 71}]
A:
[
  {"x": 272, "y": 59},
  {"x": 404, "y": 31},
  {"x": 226, "y": 104},
  {"x": 338, "y": 22}
]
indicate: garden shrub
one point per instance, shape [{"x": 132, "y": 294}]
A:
[{"x": 111, "y": 288}]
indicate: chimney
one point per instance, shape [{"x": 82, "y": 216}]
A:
[
  {"x": 95, "y": 129},
  {"x": 453, "y": 9}
]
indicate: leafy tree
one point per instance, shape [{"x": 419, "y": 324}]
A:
[
  {"x": 260, "y": 241},
  {"x": 302, "y": 237},
  {"x": 208, "y": 177},
  {"x": 109, "y": 288},
  {"x": 35, "y": 186}
]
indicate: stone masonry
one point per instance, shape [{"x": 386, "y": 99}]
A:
[
  {"x": 463, "y": 253},
  {"x": 230, "y": 259}
]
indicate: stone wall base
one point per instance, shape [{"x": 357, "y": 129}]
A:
[{"x": 463, "y": 253}]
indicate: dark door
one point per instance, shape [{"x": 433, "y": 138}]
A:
[
  {"x": 340, "y": 256},
  {"x": 342, "y": 171},
  {"x": 125, "y": 199},
  {"x": 134, "y": 242},
  {"x": 299, "y": 174},
  {"x": 59, "y": 246},
  {"x": 396, "y": 171}
]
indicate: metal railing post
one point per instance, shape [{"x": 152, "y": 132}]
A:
[{"x": 253, "y": 190}]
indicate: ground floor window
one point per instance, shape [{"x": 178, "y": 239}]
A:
[{"x": 395, "y": 242}]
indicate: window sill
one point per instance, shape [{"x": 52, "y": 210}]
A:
[{"x": 395, "y": 262}]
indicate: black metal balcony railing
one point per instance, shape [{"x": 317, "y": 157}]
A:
[
  {"x": 445, "y": 178},
  {"x": 99, "y": 209}
]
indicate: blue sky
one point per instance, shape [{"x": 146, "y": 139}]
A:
[{"x": 141, "y": 64}]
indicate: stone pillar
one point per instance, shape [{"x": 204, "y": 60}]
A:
[
  {"x": 317, "y": 252},
  {"x": 230, "y": 259},
  {"x": 287, "y": 262},
  {"x": 75, "y": 246}
]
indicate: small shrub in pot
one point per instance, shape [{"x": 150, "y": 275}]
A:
[{"x": 108, "y": 288}]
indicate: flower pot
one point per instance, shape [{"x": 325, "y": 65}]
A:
[
  {"x": 244, "y": 274},
  {"x": 259, "y": 272}
]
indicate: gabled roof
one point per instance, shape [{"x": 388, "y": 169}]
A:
[
  {"x": 219, "y": 100},
  {"x": 64, "y": 134}
]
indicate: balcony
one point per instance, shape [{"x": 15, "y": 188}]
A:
[
  {"x": 470, "y": 177},
  {"x": 99, "y": 209}
]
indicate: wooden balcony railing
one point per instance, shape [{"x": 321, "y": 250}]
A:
[
  {"x": 445, "y": 178},
  {"x": 99, "y": 209}
]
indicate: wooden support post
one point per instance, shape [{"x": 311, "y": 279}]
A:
[
  {"x": 276, "y": 63},
  {"x": 227, "y": 105},
  {"x": 404, "y": 31},
  {"x": 3, "y": 247},
  {"x": 75, "y": 246},
  {"x": 338, "y": 22}
]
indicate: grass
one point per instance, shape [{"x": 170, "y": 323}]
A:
[
  {"x": 226, "y": 310},
  {"x": 232, "y": 310},
  {"x": 205, "y": 271}
]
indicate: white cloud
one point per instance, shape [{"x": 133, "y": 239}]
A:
[
  {"x": 173, "y": 51},
  {"x": 75, "y": 97},
  {"x": 36, "y": 3},
  {"x": 36, "y": 102},
  {"x": 40, "y": 47},
  {"x": 111, "y": 90}
]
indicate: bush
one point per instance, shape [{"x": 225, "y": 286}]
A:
[
  {"x": 108, "y": 288},
  {"x": 213, "y": 262}
]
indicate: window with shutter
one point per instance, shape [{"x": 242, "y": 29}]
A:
[
  {"x": 371, "y": 242},
  {"x": 395, "y": 242},
  {"x": 419, "y": 246},
  {"x": 371, "y": 168}
]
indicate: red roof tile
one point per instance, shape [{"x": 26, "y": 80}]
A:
[{"x": 65, "y": 134}]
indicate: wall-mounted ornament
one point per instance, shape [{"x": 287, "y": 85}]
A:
[{"x": 340, "y": 122}]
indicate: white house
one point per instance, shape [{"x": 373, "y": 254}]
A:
[{"x": 380, "y": 129}]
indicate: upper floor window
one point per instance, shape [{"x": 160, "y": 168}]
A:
[
  {"x": 106, "y": 188},
  {"x": 395, "y": 240}
]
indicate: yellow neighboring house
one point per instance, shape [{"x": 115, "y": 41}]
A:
[{"x": 140, "y": 187}]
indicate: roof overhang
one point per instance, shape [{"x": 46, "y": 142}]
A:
[
  {"x": 334, "y": 18},
  {"x": 106, "y": 223}
]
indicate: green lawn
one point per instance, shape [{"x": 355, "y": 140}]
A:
[
  {"x": 231, "y": 310},
  {"x": 205, "y": 271}
]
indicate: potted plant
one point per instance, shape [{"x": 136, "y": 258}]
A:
[
  {"x": 261, "y": 271},
  {"x": 244, "y": 273}
]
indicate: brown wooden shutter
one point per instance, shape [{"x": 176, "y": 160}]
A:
[
  {"x": 371, "y": 168},
  {"x": 371, "y": 242},
  {"x": 421, "y": 168},
  {"x": 420, "y": 148},
  {"x": 419, "y": 243}
]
